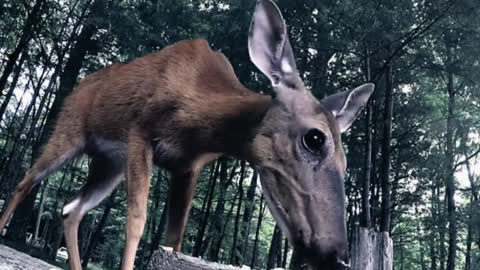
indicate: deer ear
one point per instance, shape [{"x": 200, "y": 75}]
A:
[
  {"x": 268, "y": 44},
  {"x": 345, "y": 106}
]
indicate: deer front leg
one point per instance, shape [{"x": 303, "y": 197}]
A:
[
  {"x": 182, "y": 189},
  {"x": 139, "y": 168}
]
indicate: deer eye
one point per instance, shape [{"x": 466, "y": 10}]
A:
[{"x": 313, "y": 140}]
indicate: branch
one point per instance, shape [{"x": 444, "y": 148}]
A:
[
  {"x": 411, "y": 36},
  {"x": 474, "y": 154}
]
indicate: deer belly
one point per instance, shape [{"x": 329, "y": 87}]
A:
[{"x": 98, "y": 145}]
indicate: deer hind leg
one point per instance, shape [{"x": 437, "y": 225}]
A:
[
  {"x": 59, "y": 150},
  {"x": 104, "y": 175}
]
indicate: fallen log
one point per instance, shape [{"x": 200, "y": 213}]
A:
[
  {"x": 11, "y": 259},
  {"x": 164, "y": 259}
]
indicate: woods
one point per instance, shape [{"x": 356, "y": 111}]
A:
[{"x": 413, "y": 154}]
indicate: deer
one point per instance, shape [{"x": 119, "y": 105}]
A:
[{"x": 183, "y": 107}]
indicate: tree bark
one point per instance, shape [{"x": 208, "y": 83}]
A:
[
  {"x": 375, "y": 179},
  {"x": 285, "y": 253},
  {"x": 225, "y": 225},
  {"x": 449, "y": 171},
  {"x": 275, "y": 247},
  {"x": 203, "y": 225},
  {"x": 32, "y": 22},
  {"x": 17, "y": 71},
  {"x": 257, "y": 233},
  {"x": 433, "y": 233},
  {"x": 218, "y": 219},
  {"x": 442, "y": 230},
  {"x": 372, "y": 250},
  {"x": 386, "y": 149},
  {"x": 468, "y": 258},
  {"x": 473, "y": 207},
  {"x": 247, "y": 215},
  {"x": 365, "y": 220},
  {"x": 236, "y": 252}
]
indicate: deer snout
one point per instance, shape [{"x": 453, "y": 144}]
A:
[{"x": 328, "y": 253}]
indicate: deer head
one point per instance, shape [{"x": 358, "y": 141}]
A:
[{"x": 298, "y": 151}]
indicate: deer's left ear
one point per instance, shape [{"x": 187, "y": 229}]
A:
[
  {"x": 268, "y": 44},
  {"x": 345, "y": 106}
]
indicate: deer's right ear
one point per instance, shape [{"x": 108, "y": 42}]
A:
[{"x": 268, "y": 44}]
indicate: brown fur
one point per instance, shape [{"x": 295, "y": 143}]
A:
[{"x": 180, "y": 107}]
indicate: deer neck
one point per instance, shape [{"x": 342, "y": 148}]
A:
[
  {"x": 242, "y": 124},
  {"x": 226, "y": 124}
]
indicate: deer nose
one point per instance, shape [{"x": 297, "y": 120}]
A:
[{"x": 330, "y": 251}]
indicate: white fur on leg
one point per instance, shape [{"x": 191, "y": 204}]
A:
[{"x": 69, "y": 207}]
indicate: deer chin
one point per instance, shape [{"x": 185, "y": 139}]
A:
[
  {"x": 279, "y": 213},
  {"x": 284, "y": 204}
]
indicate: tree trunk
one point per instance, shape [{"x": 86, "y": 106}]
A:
[
  {"x": 28, "y": 31},
  {"x": 449, "y": 173},
  {"x": 374, "y": 178},
  {"x": 365, "y": 220},
  {"x": 218, "y": 215},
  {"x": 257, "y": 233},
  {"x": 434, "y": 230},
  {"x": 285, "y": 253},
  {"x": 468, "y": 257},
  {"x": 372, "y": 250},
  {"x": 386, "y": 148},
  {"x": 275, "y": 247},
  {"x": 442, "y": 230},
  {"x": 473, "y": 207},
  {"x": 402, "y": 258},
  {"x": 17, "y": 71},
  {"x": 225, "y": 225},
  {"x": 236, "y": 252},
  {"x": 420, "y": 244},
  {"x": 203, "y": 225},
  {"x": 247, "y": 215}
]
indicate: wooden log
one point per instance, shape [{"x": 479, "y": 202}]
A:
[
  {"x": 372, "y": 250},
  {"x": 11, "y": 259},
  {"x": 164, "y": 259}
]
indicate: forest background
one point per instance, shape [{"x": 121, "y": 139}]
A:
[{"x": 413, "y": 154}]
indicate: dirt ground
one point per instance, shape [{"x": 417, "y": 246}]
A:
[{"x": 11, "y": 259}]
